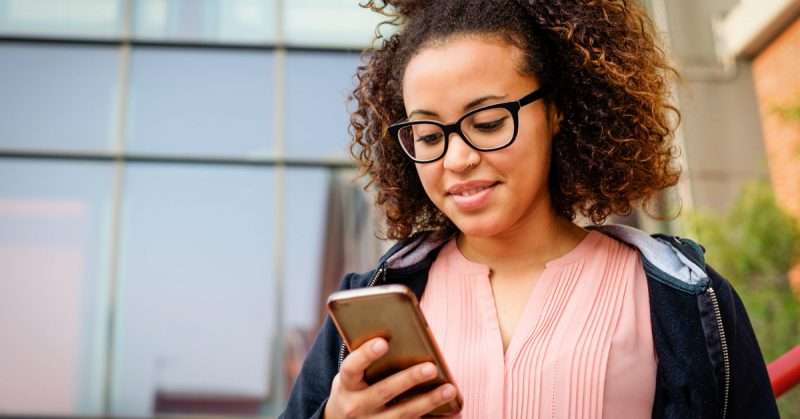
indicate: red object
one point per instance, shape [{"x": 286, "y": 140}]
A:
[{"x": 784, "y": 372}]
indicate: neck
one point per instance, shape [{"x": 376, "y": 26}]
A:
[{"x": 525, "y": 248}]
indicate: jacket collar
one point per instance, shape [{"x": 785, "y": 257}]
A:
[{"x": 676, "y": 262}]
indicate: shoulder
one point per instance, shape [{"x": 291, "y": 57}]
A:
[
  {"x": 408, "y": 255},
  {"x": 677, "y": 263},
  {"x": 357, "y": 279}
]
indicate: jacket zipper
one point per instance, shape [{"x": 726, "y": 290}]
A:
[
  {"x": 726, "y": 361},
  {"x": 372, "y": 282}
]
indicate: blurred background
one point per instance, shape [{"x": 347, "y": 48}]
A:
[{"x": 176, "y": 198}]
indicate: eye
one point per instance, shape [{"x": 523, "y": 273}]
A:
[
  {"x": 429, "y": 139},
  {"x": 491, "y": 125}
]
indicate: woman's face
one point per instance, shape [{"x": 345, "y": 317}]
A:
[{"x": 483, "y": 193}]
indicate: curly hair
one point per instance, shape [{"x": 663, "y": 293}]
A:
[{"x": 610, "y": 82}]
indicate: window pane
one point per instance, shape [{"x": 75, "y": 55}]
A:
[
  {"x": 78, "y": 18},
  {"x": 196, "y": 306},
  {"x": 330, "y": 230},
  {"x": 58, "y": 97},
  {"x": 302, "y": 289},
  {"x": 54, "y": 240},
  {"x": 202, "y": 102},
  {"x": 317, "y": 86},
  {"x": 336, "y": 23},
  {"x": 237, "y": 21}
]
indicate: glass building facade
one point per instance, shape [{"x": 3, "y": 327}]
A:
[{"x": 175, "y": 187}]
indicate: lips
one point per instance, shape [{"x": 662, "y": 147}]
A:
[
  {"x": 470, "y": 188},
  {"x": 473, "y": 195}
]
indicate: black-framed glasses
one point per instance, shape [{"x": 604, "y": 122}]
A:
[{"x": 488, "y": 128}]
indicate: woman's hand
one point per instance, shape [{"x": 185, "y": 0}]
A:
[{"x": 351, "y": 397}]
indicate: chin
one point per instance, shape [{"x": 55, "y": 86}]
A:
[{"x": 480, "y": 226}]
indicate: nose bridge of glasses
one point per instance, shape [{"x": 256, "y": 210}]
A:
[
  {"x": 462, "y": 150},
  {"x": 454, "y": 128}
]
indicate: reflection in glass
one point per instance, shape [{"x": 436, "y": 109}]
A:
[
  {"x": 54, "y": 235},
  {"x": 332, "y": 23},
  {"x": 331, "y": 230},
  {"x": 316, "y": 103},
  {"x": 58, "y": 97},
  {"x": 196, "y": 288},
  {"x": 76, "y": 18},
  {"x": 304, "y": 229},
  {"x": 237, "y": 21},
  {"x": 201, "y": 102}
]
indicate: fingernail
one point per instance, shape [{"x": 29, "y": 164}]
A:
[
  {"x": 379, "y": 346},
  {"x": 428, "y": 370},
  {"x": 449, "y": 392}
]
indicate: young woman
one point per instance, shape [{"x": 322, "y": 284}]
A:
[{"x": 486, "y": 127}]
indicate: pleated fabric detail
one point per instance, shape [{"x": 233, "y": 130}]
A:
[{"x": 582, "y": 347}]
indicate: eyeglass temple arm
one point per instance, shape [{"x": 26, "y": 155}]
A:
[{"x": 534, "y": 96}]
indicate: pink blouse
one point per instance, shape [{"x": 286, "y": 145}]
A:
[{"x": 583, "y": 347}]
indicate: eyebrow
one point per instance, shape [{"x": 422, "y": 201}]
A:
[{"x": 467, "y": 107}]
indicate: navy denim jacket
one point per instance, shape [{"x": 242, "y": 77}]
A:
[{"x": 709, "y": 362}]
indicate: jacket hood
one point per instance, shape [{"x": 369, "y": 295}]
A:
[{"x": 676, "y": 262}]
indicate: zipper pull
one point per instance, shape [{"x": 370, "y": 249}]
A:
[{"x": 381, "y": 271}]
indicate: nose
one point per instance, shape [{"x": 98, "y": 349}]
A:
[{"x": 460, "y": 156}]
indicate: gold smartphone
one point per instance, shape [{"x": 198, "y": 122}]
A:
[{"x": 391, "y": 312}]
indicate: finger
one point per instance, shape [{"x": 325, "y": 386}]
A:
[
  {"x": 399, "y": 382},
  {"x": 353, "y": 366},
  {"x": 421, "y": 405}
]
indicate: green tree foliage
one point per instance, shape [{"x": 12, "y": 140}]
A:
[
  {"x": 755, "y": 243},
  {"x": 791, "y": 113}
]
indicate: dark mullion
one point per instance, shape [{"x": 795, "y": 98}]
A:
[
  {"x": 179, "y": 159},
  {"x": 169, "y": 44}
]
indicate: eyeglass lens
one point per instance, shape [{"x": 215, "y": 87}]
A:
[{"x": 487, "y": 129}]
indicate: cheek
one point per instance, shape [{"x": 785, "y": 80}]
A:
[
  {"x": 537, "y": 149},
  {"x": 528, "y": 165},
  {"x": 429, "y": 176}
]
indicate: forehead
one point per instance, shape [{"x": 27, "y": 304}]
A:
[{"x": 459, "y": 69}]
